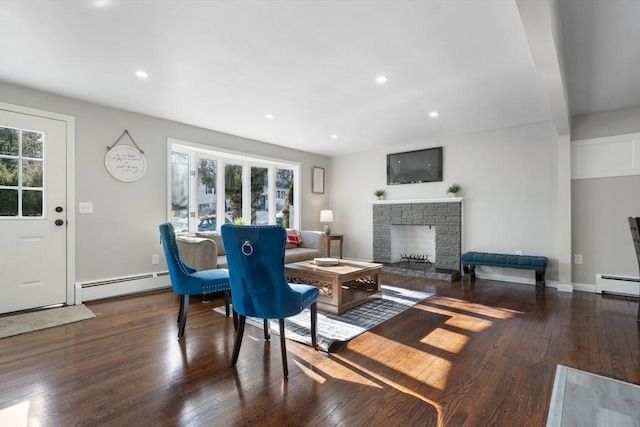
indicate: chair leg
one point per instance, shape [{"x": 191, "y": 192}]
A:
[
  {"x": 182, "y": 317},
  {"x": 235, "y": 320},
  {"x": 180, "y": 309},
  {"x": 283, "y": 348},
  {"x": 226, "y": 302},
  {"x": 314, "y": 325},
  {"x": 239, "y": 333},
  {"x": 265, "y": 327}
]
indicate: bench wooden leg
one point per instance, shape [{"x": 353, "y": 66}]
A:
[
  {"x": 540, "y": 280},
  {"x": 469, "y": 271}
]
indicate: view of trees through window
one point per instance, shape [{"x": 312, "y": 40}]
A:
[
  {"x": 21, "y": 172},
  {"x": 251, "y": 193}
]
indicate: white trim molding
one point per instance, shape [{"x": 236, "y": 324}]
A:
[{"x": 609, "y": 156}]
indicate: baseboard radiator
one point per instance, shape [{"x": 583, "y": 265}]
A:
[
  {"x": 114, "y": 287},
  {"x": 617, "y": 285}
]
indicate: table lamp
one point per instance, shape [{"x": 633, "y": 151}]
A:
[{"x": 326, "y": 216}]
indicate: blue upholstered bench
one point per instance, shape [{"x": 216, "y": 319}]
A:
[{"x": 525, "y": 262}]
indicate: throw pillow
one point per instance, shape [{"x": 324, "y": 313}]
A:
[{"x": 294, "y": 237}]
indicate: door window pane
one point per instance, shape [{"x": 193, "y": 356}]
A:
[
  {"x": 8, "y": 171},
  {"x": 284, "y": 200},
  {"x": 31, "y": 173},
  {"x": 233, "y": 192},
  {"x": 259, "y": 196},
  {"x": 207, "y": 200},
  {"x": 9, "y": 141},
  {"x": 32, "y": 203},
  {"x": 180, "y": 191},
  {"x": 32, "y": 144},
  {"x": 8, "y": 202}
]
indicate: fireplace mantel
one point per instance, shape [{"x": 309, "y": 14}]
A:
[{"x": 397, "y": 202}]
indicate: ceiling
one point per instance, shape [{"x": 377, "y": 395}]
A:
[{"x": 225, "y": 65}]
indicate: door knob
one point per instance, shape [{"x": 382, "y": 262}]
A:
[{"x": 59, "y": 222}]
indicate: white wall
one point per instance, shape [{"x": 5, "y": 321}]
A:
[
  {"x": 119, "y": 238},
  {"x": 509, "y": 179}
]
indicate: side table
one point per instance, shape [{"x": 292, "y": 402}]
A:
[{"x": 332, "y": 237}]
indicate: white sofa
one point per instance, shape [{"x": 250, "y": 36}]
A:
[{"x": 205, "y": 251}]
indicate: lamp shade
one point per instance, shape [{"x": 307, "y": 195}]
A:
[{"x": 326, "y": 215}]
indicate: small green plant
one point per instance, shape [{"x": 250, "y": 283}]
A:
[
  {"x": 239, "y": 221},
  {"x": 379, "y": 193},
  {"x": 454, "y": 188}
]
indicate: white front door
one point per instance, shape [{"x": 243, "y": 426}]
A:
[{"x": 33, "y": 211}]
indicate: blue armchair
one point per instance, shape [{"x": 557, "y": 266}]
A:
[
  {"x": 255, "y": 257},
  {"x": 186, "y": 281}
]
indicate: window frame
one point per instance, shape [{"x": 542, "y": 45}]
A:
[{"x": 222, "y": 157}]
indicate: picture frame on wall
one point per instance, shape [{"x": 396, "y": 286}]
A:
[{"x": 317, "y": 180}]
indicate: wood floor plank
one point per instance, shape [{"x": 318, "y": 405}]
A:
[{"x": 473, "y": 354}]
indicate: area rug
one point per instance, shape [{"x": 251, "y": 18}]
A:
[
  {"x": 42, "y": 319},
  {"x": 335, "y": 330},
  {"x": 583, "y": 399}
]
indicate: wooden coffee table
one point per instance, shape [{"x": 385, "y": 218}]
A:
[{"x": 346, "y": 285}]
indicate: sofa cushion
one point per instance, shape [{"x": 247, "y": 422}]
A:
[
  {"x": 222, "y": 261},
  {"x": 216, "y": 237},
  {"x": 300, "y": 254}
]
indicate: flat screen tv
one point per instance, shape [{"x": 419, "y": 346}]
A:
[{"x": 412, "y": 167}]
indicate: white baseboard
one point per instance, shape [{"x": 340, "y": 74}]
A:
[
  {"x": 584, "y": 287},
  {"x": 115, "y": 287}
]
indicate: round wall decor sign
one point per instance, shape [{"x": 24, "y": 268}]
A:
[{"x": 125, "y": 163}]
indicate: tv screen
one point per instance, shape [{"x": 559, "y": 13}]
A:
[{"x": 415, "y": 166}]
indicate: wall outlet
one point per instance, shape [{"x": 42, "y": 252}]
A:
[
  {"x": 85, "y": 207},
  {"x": 155, "y": 259},
  {"x": 577, "y": 259},
  {"x": 518, "y": 252}
]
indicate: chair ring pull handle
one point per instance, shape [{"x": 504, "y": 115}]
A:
[{"x": 247, "y": 249}]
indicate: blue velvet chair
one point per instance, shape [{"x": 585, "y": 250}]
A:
[
  {"x": 186, "y": 281},
  {"x": 255, "y": 257}
]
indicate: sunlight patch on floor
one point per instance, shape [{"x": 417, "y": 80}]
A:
[
  {"x": 308, "y": 372},
  {"x": 394, "y": 385},
  {"x": 17, "y": 415},
  {"x": 327, "y": 366},
  {"x": 446, "y": 340},
  {"x": 415, "y": 358},
  {"x": 472, "y": 308},
  {"x": 470, "y": 323}
]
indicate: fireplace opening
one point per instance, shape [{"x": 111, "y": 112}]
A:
[{"x": 413, "y": 244}]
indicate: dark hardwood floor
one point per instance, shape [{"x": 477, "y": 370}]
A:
[{"x": 471, "y": 355}]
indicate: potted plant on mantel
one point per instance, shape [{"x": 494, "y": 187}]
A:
[
  {"x": 379, "y": 194},
  {"x": 454, "y": 189}
]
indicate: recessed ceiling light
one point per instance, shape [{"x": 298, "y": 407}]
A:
[
  {"x": 381, "y": 79},
  {"x": 334, "y": 136},
  {"x": 433, "y": 114},
  {"x": 142, "y": 74},
  {"x": 269, "y": 116}
]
